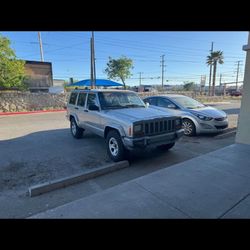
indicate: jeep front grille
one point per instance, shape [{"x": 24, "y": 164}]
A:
[{"x": 159, "y": 126}]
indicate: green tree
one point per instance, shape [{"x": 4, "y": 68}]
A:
[
  {"x": 11, "y": 69},
  {"x": 188, "y": 86},
  {"x": 214, "y": 58},
  {"x": 119, "y": 69}
]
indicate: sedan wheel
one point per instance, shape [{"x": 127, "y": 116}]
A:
[{"x": 189, "y": 127}]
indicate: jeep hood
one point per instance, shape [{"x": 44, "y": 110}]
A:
[{"x": 137, "y": 114}]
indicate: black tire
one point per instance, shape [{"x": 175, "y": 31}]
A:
[
  {"x": 189, "y": 127},
  {"x": 115, "y": 148},
  {"x": 166, "y": 147},
  {"x": 76, "y": 131}
]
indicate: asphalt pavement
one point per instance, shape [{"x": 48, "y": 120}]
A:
[{"x": 37, "y": 148}]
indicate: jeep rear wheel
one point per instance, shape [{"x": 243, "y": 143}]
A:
[
  {"x": 115, "y": 148},
  {"x": 76, "y": 131}
]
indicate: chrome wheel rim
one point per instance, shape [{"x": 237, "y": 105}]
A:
[
  {"x": 113, "y": 146},
  {"x": 188, "y": 128},
  {"x": 73, "y": 128}
]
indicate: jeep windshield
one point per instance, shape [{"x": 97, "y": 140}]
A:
[{"x": 119, "y": 100}]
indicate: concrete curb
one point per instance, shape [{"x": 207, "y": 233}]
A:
[
  {"x": 73, "y": 179},
  {"x": 31, "y": 112},
  {"x": 227, "y": 134}
]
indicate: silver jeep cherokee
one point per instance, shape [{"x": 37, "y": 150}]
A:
[{"x": 122, "y": 118}]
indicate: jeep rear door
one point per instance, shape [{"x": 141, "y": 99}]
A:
[
  {"x": 81, "y": 108},
  {"x": 92, "y": 118}
]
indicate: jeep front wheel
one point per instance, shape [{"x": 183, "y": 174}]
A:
[{"x": 115, "y": 148}]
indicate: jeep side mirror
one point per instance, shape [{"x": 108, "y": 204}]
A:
[
  {"x": 93, "y": 107},
  {"x": 147, "y": 104}
]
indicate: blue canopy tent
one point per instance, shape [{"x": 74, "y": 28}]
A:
[{"x": 99, "y": 83}]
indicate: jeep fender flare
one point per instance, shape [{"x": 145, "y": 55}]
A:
[
  {"x": 75, "y": 117},
  {"x": 109, "y": 127}
]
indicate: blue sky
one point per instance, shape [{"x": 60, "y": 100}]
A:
[{"x": 185, "y": 53}]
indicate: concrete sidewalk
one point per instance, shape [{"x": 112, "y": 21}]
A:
[{"x": 214, "y": 185}]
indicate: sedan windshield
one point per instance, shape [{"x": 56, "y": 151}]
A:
[
  {"x": 118, "y": 100},
  {"x": 187, "y": 102}
]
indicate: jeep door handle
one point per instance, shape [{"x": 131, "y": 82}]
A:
[{"x": 76, "y": 108}]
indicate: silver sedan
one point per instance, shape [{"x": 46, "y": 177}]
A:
[{"x": 197, "y": 117}]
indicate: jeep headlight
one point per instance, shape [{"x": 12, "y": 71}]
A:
[
  {"x": 178, "y": 123},
  {"x": 138, "y": 128}
]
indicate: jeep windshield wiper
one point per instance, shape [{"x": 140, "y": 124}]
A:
[
  {"x": 115, "y": 107},
  {"x": 134, "y": 106}
]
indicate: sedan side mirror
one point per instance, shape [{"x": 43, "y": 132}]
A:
[
  {"x": 171, "y": 106},
  {"x": 93, "y": 107}
]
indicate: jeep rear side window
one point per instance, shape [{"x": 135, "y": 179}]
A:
[
  {"x": 81, "y": 99},
  {"x": 92, "y": 100},
  {"x": 72, "y": 99}
]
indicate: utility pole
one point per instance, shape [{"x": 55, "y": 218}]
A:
[
  {"x": 41, "y": 46},
  {"x": 140, "y": 73},
  {"x": 162, "y": 71},
  {"x": 92, "y": 63},
  {"x": 200, "y": 85},
  {"x": 210, "y": 72},
  {"x": 94, "y": 72},
  {"x": 221, "y": 84},
  {"x": 237, "y": 75}
]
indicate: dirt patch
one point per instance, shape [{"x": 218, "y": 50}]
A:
[
  {"x": 93, "y": 162},
  {"x": 24, "y": 174},
  {"x": 18, "y": 174}
]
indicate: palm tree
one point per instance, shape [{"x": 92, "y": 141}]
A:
[{"x": 214, "y": 58}]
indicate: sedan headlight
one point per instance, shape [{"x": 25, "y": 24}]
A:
[{"x": 204, "y": 118}]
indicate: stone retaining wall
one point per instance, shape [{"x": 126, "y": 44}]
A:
[{"x": 25, "y": 101}]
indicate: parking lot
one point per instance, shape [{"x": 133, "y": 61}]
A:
[{"x": 36, "y": 148}]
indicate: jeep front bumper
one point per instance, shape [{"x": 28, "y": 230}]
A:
[{"x": 132, "y": 143}]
